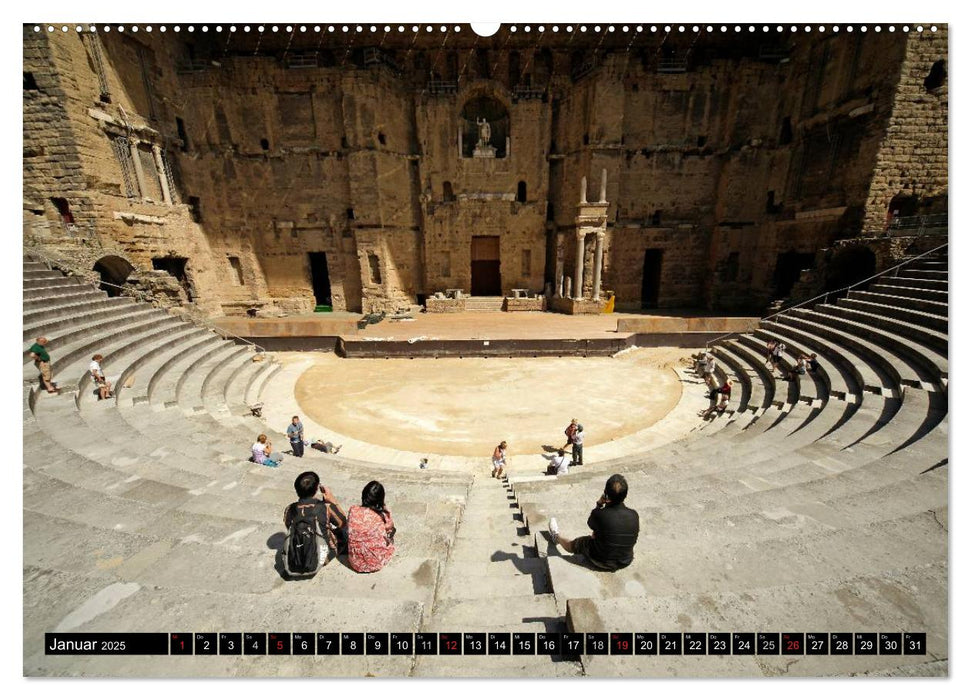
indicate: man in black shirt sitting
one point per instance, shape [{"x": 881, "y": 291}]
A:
[{"x": 615, "y": 528}]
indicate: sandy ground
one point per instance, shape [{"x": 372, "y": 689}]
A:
[{"x": 464, "y": 407}]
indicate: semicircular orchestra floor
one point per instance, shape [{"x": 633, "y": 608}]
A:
[{"x": 463, "y": 407}]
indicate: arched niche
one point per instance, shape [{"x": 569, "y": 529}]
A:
[
  {"x": 113, "y": 271},
  {"x": 485, "y": 126}
]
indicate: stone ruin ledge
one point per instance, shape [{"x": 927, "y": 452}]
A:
[
  {"x": 434, "y": 305},
  {"x": 537, "y": 303},
  {"x": 578, "y": 306}
]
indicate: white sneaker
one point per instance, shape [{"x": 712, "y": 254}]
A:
[{"x": 554, "y": 528}]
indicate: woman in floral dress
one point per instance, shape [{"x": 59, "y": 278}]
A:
[{"x": 370, "y": 531}]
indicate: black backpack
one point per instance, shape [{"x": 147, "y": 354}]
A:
[{"x": 301, "y": 548}]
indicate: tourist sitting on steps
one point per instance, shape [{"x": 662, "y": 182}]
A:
[
  {"x": 559, "y": 464},
  {"x": 799, "y": 369},
  {"x": 263, "y": 452},
  {"x": 370, "y": 531},
  {"x": 720, "y": 397},
  {"x": 499, "y": 460},
  {"x": 327, "y": 447},
  {"x": 615, "y": 528},
  {"x": 295, "y": 435},
  {"x": 42, "y": 361},
  {"x": 315, "y": 528},
  {"x": 99, "y": 379},
  {"x": 812, "y": 364}
]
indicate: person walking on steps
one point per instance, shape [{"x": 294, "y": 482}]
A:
[
  {"x": 42, "y": 361},
  {"x": 295, "y": 434},
  {"x": 570, "y": 431},
  {"x": 499, "y": 460}
]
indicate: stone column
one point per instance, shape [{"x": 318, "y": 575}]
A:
[
  {"x": 163, "y": 179},
  {"x": 598, "y": 259},
  {"x": 603, "y": 187},
  {"x": 578, "y": 278},
  {"x": 558, "y": 274},
  {"x": 583, "y": 190},
  {"x": 567, "y": 288},
  {"x": 139, "y": 173},
  {"x": 460, "y": 141}
]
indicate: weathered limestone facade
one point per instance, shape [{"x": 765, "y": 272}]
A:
[{"x": 279, "y": 171}]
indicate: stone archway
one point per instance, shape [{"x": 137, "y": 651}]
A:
[{"x": 114, "y": 272}]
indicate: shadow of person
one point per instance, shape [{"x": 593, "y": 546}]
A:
[
  {"x": 275, "y": 542},
  {"x": 549, "y": 448}
]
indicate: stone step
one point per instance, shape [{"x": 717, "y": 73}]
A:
[
  {"x": 78, "y": 295},
  {"x": 79, "y": 315},
  {"x": 909, "y": 292},
  {"x": 62, "y": 601},
  {"x": 66, "y": 338},
  {"x": 915, "y": 283},
  {"x": 934, "y": 308},
  {"x": 907, "y": 600},
  {"x": 51, "y": 279},
  {"x": 63, "y": 287}
]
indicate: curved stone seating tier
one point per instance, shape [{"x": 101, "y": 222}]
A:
[{"x": 806, "y": 504}]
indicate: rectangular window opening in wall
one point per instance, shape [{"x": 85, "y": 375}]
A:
[
  {"x": 63, "y": 209},
  {"x": 183, "y": 137},
  {"x": 195, "y": 211},
  {"x": 785, "y": 133},
  {"x": 527, "y": 263},
  {"x": 656, "y": 218},
  {"x": 29, "y": 82},
  {"x": 350, "y": 214},
  {"x": 237, "y": 269},
  {"x": 374, "y": 265},
  {"x": 521, "y": 191}
]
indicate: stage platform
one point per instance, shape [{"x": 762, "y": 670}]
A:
[{"x": 484, "y": 334}]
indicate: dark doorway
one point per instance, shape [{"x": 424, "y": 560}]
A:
[
  {"x": 320, "y": 279},
  {"x": 651, "y": 282},
  {"x": 113, "y": 272},
  {"x": 788, "y": 267},
  {"x": 63, "y": 209},
  {"x": 486, "y": 280},
  {"x": 176, "y": 268},
  {"x": 849, "y": 266}
]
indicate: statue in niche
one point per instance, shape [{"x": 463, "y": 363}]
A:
[
  {"x": 482, "y": 148},
  {"x": 485, "y": 132}
]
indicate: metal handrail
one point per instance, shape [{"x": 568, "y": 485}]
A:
[
  {"x": 139, "y": 295},
  {"x": 825, "y": 295}
]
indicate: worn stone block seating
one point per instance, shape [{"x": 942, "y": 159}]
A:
[{"x": 816, "y": 504}]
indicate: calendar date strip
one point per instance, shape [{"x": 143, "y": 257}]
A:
[{"x": 565, "y": 644}]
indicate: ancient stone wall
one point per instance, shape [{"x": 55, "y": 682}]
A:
[
  {"x": 912, "y": 158},
  {"x": 736, "y": 159}
]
